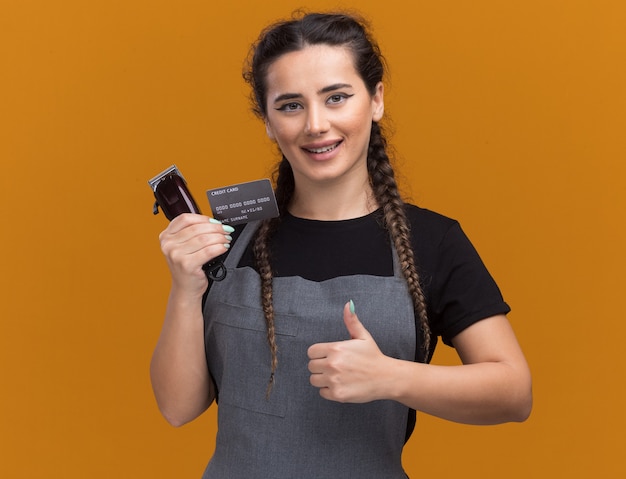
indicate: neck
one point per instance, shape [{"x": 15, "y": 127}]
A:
[{"x": 333, "y": 202}]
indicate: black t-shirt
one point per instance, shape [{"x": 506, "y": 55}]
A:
[{"x": 458, "y": 288}]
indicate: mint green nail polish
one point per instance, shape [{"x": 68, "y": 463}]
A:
[
  {"x": 228, "y": 229},
  {"x": 214, "y": 221},
  {"x": 228, "y": 237},
  {"x": 352, "y": 306}
]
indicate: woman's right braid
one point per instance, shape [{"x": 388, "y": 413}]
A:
[
  {"x": 388, "y": 197},
  {"x": 261, "y": 248},
  {"x": 262, "y": 256}
]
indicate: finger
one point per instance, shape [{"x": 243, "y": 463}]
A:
[
  {"x": 186, "y": 220},
  {"x": 192, "y": 254},
  {"x": 316, "y": 366},
  {"x": 353, "y": 325},
  {"x": 318, "y": 381},
  {"x": 317, "y": 351},
  {"x": 203, "y": 240},
  {"x": 195, "y": 232}
]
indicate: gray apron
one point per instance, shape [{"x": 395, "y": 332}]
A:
[{"x": 295, "y": 433}]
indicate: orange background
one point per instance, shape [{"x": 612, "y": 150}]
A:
[{"x": 509, "y": 116}]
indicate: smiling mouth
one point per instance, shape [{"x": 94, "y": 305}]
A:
[{"x": 324, "y": 149}]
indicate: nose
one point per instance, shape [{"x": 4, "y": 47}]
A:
[{"x": 316, "y": 121}]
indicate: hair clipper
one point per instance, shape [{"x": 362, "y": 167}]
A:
[
  {"x": 171, "y": 193},
  {"x": 174, "y": 198}
]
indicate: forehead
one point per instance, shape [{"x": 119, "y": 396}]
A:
[{"x": 311, "y": 68}]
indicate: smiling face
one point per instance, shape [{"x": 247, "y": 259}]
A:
[{"x": 320, "y": 112}]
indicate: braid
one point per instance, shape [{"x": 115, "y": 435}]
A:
[
  {"x": 261, "y": 248},
  {"x": 387, "y": 195},
  {"x": 262, "y": 255}
]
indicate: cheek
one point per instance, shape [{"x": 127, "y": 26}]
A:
[
  {"x": 357, "y": 122},
  {"x": 284, "y": 141},
  {"x": 285, "y": 133},
  {"x": 359, "y": 127}
]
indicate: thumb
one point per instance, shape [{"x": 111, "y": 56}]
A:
[{"x": 353, "y": 325}]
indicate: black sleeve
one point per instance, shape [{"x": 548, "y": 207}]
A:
[{"x": 462, "y": 291}]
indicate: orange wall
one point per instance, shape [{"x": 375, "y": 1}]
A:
[{"x": 509, "y": 116}]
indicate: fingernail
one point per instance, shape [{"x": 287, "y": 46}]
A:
[
  {"x": 228, "y": 237},
  {"x": 226, "y": 245},
  {"x": 228, "y": 229},
  {"x": 352, "y": 306}
]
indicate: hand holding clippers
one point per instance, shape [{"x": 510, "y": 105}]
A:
[{"x": 174, "y": 198}]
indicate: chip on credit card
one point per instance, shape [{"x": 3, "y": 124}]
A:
[{"x": 243, "y": 202}]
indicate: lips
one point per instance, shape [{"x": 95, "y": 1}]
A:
[{"x": 322, "y": 148}]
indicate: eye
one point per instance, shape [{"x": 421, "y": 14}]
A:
[
  {"x": 292, "y": 106},
  {"x": 337, "y": 98}
]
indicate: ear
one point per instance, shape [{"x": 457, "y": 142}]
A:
[
  {"x": 269, "y": 131},
  {"x": 378, "y": 102}
]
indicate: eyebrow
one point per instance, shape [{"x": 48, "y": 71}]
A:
[{"x": 326, "y": 89}]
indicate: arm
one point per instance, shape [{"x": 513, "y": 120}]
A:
[
  {"x": 492, "y": 386},
  {"x": 180, "y": 378}
]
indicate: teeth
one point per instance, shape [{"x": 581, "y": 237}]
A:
[{"x": 322, "y": 150}]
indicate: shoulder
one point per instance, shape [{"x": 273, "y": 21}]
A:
[
  {"x": 438, "y": 239},
  {"x": 459, "y": 288},
  {"x": 423, "y": 216},
  {"x": 428, "y": 226}
]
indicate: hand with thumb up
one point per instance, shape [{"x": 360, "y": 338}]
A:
[{"x": 352, "y": 370}]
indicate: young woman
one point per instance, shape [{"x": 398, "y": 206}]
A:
[{"x": 317, "y": 343}]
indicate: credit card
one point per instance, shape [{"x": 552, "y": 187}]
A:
[{"x": 243, "y": 202}]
